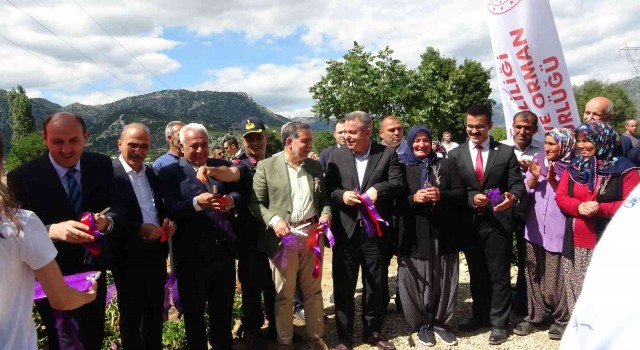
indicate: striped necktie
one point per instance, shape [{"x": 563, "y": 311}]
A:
[{"x": 75, "y": 193}]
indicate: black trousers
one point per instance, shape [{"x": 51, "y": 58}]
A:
[
  {"x": 209, "y": 285},
  {"x": 489, "y": 260},
  {"x": 140, "y": 287},
  {"x": 254, "y": 274},
  {"x": 89, "y": 318},
  {"x": 349, "y": 255}
]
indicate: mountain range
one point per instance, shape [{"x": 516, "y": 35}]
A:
[{"x": 217, "y": 111}]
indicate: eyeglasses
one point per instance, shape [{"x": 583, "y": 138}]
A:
[{"x": 477, "y": 127}]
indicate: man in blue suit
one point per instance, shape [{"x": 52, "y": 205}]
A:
[{"x": 205, "y": 266}]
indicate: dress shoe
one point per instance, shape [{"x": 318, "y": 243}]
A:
[
  {"x": 318, "y": 344},
  {"x": 376, "y": 339},
  {"x": 472, "y": 325},
  {"x": 272, "y": 334},
  {"x": 257, "y": 341},
  {"x": 498, "y": 336},
  {"x": 342, "y": 346}
]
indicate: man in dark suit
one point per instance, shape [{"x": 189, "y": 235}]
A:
[
  {"x": 484, "y": 164},
  {"x": 59, "y": 186},
  {"x": 338, "y": 134},
  {"x": 139, "y": 256},
  {"x": 366, "y": 167},
  {"x": 205, "y": 266}
]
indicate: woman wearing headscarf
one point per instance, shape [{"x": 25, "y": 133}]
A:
[
  {"x": 590, "y": 192},
  {"x": 26, "y": 253},
  {"x": 544, "y": 232},
  {"x": 428, "y": 265}
]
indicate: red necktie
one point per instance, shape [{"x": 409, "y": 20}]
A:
[{"x": 479, "y": 168}]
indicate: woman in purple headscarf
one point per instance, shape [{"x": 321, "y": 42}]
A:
[
  {"x": 544, "y": 232},
  {"x": 591, "y": 190},
  {"x": 428, "y": 228}
]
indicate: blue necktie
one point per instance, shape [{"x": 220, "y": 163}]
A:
[{"x": 75, "y": 193}]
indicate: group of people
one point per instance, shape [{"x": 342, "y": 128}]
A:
[{"x": 276, "y": 214}]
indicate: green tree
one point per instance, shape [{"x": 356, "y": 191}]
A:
[
  {"x": 623, "y": 106},
  {"x": 442, "y": 91},
  {"x": 22, "y": 122},
  {"x": 321, "y": 140},
  {"x": 25, "y": 149},
  {"x": 437, "y": 93},
  {"x": 499, "y": 133},
  {"x": 274, "y": 143}
]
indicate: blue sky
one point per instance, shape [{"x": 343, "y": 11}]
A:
[{"x": 272, "y": 50}]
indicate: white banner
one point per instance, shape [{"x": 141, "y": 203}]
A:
[{"x": 530, "y": 67}]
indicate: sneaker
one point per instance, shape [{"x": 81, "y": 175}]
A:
[
  {"x": 299, "y": 314},
  {"x": 525, "y": 328},
  {"x": 556, "y": 331},
  {"x": 445, "y": 336},
  {"x": 426, "y": 336}
]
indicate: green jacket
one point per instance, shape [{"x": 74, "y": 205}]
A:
[{"x": 271, "y": 196}]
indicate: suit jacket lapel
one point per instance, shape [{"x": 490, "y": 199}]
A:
[
  {"x": 122, "y": 177},
  {"x": 466, "y": 159},
  {"x": 191, "y": 175},
  {"x": 374, "y": 157}
]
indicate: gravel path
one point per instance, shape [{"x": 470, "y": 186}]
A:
[{"x": 396, "y": 328}]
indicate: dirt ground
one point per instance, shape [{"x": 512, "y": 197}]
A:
[{"x": 397, "y": 330}]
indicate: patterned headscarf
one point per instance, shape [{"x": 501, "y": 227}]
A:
[
  {"x": 567, "y": 141},
  {"x": 605, "y": 139},
  {"x": 409, "y": 158}
]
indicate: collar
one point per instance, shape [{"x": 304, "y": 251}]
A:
[
  {"x": 128, "y": 168},
  {"x": 535, "y": 144},
  {"x": 60, "y": 170},
  {"x": 288, "y": 163},
  {"x": 485, "y": 144},
  {"x": 366, "y": 155}
]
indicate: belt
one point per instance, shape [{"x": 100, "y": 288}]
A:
[{"x": 312, "y": 220}]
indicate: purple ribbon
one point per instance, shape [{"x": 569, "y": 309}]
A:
[
  {"x": 112, "y": 293},
  {"x": 66, "y": 325},
  {"x": 78, "y": 281},
  {"x": 223, "y": 223},
  {"x": 317, "y": 266},
  {"x": 328, "y": 233},
  {"x": 68, "y": 331},
  {"x": 370, "y": 216},
  {"x": 171, "y": 294},
  {"x": 495, "y": 197}
]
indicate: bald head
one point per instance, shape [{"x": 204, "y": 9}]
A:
[
  {"x": 65, "y": 135},
  {"x": 599, "y": 108},
  {"x": 134, "y": 144},
  {"x": 391, "y": 131}
]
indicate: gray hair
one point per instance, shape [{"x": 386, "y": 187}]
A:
[
  {"x": 608, "y": 109},
  {"x": 134, "y": 125},
  {"x": 290, "y": 130},
  {"x": 626, "y": 122},
  {"x": 192, "y": 127},
  {"x": 362, "y": 117},
  {"x": 168, "y": 130}
]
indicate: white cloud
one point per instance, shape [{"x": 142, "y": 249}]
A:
[
  {"x": 591, "y": 33},
  {"x": 93, "y": 98},
  {"x": 298, "y": 113},
  {"x": 278, "y": 87}
]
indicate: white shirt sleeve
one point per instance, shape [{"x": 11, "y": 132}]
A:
[{"x": 38, "y": 250}]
